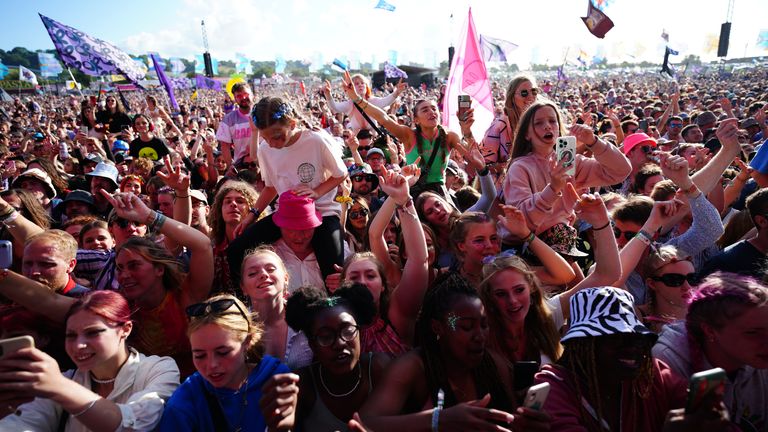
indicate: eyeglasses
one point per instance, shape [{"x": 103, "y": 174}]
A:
[
  {"x": 524, "y": 93},
  {"x": 364, "y": 148},
  {"x": 647, "y": 149},
  {"x": 217, "y": 307},
  {"x": 124, "y": 223},
  {"x": 675, "y": 125},
  {"x": 347, "y": 334},
  {"x": 359, "y": 177},
  {"x": 358, "y": 213},
  {"x": 677, "y": 279},
  {"x": 628, "y": 235}
]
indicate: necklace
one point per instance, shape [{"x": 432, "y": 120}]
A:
[
  {"x": 243, "y": 404},
  {"x": 99, "y": 381},
  {"x": 357, "y": 384}
]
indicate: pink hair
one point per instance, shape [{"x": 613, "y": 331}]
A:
[{"x": 109, "y": 305}]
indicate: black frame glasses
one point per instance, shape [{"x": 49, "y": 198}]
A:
[
  {"x": 216, "y": 307},
  {"x": 677, "y": 279},
  {"x": 359, "y": 213},
  {"x": 347, "y": 333},
  {"x": 628, "y": 235},
  {"x": 123, "y": 223},
  {"x": 359, "y": 177},
  {"x": 524, "y": 93}
]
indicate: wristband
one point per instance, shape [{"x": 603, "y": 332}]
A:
[
  {"x": 438, "y": 408},
  {"x": 10, "y": 218},
  {"x": 644, "y": 237},
  {"x": 358, "y": 100},
  {"x": 255, "y": 212},
  {"x": 90, "y": 405},
  {"x": 408, "y": 203},
  {"x": 160, "y": 221},
  {"x": 602, "y": 227},
  {"x": 483, "y": 172},
  {"x": 591, "y": 145}
]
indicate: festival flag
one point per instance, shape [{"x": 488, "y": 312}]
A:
[
  {"x": 3, "y": 70},
  {"x": 72, "y": 85},
  {"x": 340, "y": 64},
  {"x": 243, "y": 64},
  {"x": 214, "y": 66},
  {"x": 582, "y": 58},
  {"x": 302, "y": 88},
  {"x": 762, "y": 39},
  {"x": 666, "y": 67},
  {"x": 207, "y": 83},
  {"x": 27, "y": 75},
  {"x": 597, "y": 21},
  {"x": 561, "y": 75},
  {"x": 199, "y": 64},
  {"x": 392, "y": 71},
  {"x": 496, "y": 49},
  {"x": 602, "y": 4},
  {"x": 49, "y": 65},
  {"x": 164, "y": 81},
  {"x": 160, "y": 60},
  {"x": 126, "y": 105},
  {"x": 392, "y": 57},
  {"x": 177, "y": 66},
  {"x": 90, "y": 55},
  {"x": 468, "y": 75},
  {"x": 280, "y": 64},
  {"x": 384, "y": 5}
]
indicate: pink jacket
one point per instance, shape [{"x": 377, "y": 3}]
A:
[{"x": 527, "y": 184}]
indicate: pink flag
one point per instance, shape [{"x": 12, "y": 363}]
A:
[{"x": 469, "y": 76}]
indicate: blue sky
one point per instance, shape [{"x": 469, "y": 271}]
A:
[{"x": 418, "y": 29}]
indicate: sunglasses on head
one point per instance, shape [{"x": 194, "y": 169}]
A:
[
  {"x": 628, "y": 235},
  {"x": 524, "y": 93},
  {"x": 358, "y": 213},
  {"x": 216, "y": 307},
  {"x": 328, "y": 337},
  {"x": 677, "y": 279}
]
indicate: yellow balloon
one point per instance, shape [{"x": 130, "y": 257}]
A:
[{"x": 234, "y": 79}]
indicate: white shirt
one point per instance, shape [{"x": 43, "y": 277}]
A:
[{"x": 304, "y": 272}]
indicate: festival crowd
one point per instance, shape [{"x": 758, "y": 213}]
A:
[{"x": 336, "y": 260}]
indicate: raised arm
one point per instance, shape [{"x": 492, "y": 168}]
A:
[
  {"x": 407, "y": 297},
  {"x": 197, "y": 284},
  {"x": 337, "y": 107},
  {"x": 709, "y": 177},
  {"x": 401, "y": 132},
  {"x": 34, "y": 296},
  {"x": 182, "y": 204},
  {"x": 17, "y": 225}
]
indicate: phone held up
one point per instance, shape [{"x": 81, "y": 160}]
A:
[
  {"x": 702, "y": 384},
  {"x": 10, "y": 346},
  {"x": 6, "y": 254},
  {"x": 536, "y": 396},
  {"x": 566, "y": 153},
  {"x": 465, "y": 102}
]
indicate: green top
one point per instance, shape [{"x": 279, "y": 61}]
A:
[{"x": 437, "y": 172}]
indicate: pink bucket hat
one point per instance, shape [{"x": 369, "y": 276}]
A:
[
  {"x": 296, "y": 212},
  {"x": 635, "y": 139}
]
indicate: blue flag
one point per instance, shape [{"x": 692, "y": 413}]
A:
[
  {"x": 340, "y": 64},
  {"x": 673, "y": 52},
  {"x": 384, "y": 5},
  {"x": 3, "y": 70},
  {"x": 164, "y": 81},
  {"x": 49, "y": 66}
]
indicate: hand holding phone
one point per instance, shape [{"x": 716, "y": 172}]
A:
[
  {"x": 6, "y": 250},
  {"x": 702, "y": 384},
  {"x": 536, "y": 396},
  {"x": 465, "y": 103},
  {"x": 10, "y": 346},
  {"x": 566, "y": 153}
]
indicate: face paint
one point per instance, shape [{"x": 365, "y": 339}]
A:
[
  {"x": 332, "y": 301},
  {"x": 453, "y": 319}
]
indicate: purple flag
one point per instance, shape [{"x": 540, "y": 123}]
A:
[
  {"x": 90, "y": 55},
  {"x": 207, "y": 83},
  {"x": 392, "y": 71},
  {"x": 164, "y": 81}
]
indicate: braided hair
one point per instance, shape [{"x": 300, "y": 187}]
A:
[{"x": 439, "y": 300}]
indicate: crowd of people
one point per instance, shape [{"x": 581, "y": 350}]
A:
[{"x": 336, "y": 259}]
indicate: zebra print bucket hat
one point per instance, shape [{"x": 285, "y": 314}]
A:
[{"x": 604, "y": 311}]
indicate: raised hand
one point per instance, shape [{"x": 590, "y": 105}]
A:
[
  {"x": 474, "y": 157},
  {"x": 662, "y": 212},
  {"x": 727, "y": 133},
  {"x": 128, "y": 206},
  {"x": 513, "y": 220},
  {"x": 401, "y": 86},
  {"x": 583, "y": 134},
  {"x": 349, "y": 87},
  {"x": 558, "y": 176},
  {"x": 676, "y": 169},
  {"x": 412, "y": 172},
  {"x": 591, "y": 209},
  {"x": 395, "y": 185},
  {"x": 175, "y": 178},
  {"x": 467, "y": 121}
]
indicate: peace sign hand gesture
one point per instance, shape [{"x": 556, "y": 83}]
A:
[
  {"x": 175, "y": 178},
  {"x": 349, "y": 87}
]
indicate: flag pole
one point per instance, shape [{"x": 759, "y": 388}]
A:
[
  {"x": 557, "y": 84},
  {"x": 75, "y": 81}
]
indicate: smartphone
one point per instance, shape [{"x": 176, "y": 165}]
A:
[
  {"x": 6, "y": 249},
  {"x": 125, "y": 128},
  {"x": 566, "y": 152},
  {"x": 10, "y": 346},
  {"x": 701, "y": 384},
  {"x": 536, "y": 396},
  {"x": 643, "y": 126},
  {"x": 522, "y": 374},
  {"x": 465, "y": 102},
  {"x": 84, "y": 130}
]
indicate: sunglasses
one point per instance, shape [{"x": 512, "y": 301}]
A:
[
  {"x": 524, "y": 93},
  {"x": 677, "y": 279},
  {"x": 628, "y": 235},
  {"x": 364, "y": 148},
  {"x": 675, "y": 125},
  {"x": 217, "y": 307},
  {"x": 359, "y": 177},
  {"x": 358, "y": 213},
  {"x": 328, "y": 337},
  {"x": 124, "y": 223},
  {"x": 647, "y": 149}
]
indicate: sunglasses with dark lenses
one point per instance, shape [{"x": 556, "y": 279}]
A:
[
  {"x": 364, "y": 148},
  {"x": 647, "y": 149},
  {"x": 359, "y": 177},
  {"x": 677, "y": 279},
  {"x": 628, "y": 235},
  {"x": 524, "y": 93},
  {"x": 358, "y": 213},
  {"x": 326, "y": 337},
  {"x": 217, "y": 307},
  {"x": 124, "y": 223}
]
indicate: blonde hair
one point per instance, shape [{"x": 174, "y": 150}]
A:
[
  {"x": 262, "y": 250},
  {"x": 540, "y": 331},
  {"x": 662, "y": 256},
  {"x": 236, "y": 320},
  {"x": 61, "y": 240}
]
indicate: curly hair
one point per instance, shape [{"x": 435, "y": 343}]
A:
[
  {"x": 540, "y": 331},
  {"x": 304, "y": 305},
  {"x": 215, "y": 217}
]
